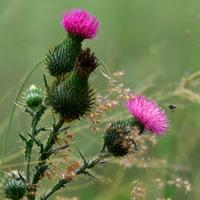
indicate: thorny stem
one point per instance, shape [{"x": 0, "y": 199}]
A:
[
  {"x": 52, "y": 137},
  {"x": 41, "y": 166},
  {"x": 45, "y": 154},
  {"x": 82, "y": 170},
  {"x": 35, "y": 120}
]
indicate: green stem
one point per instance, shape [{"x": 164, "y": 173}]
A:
[
  {"x": 52, "y": 137},
  {"x": 28, "y": 164},
  {"x": 35, "y": 120},
  {"x": 82, "y": 170},
  {"x": 41, "y": 166},
  {"x": 61, "y": 183}
]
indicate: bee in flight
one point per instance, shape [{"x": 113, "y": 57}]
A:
[{"x": 172, "y": 107}]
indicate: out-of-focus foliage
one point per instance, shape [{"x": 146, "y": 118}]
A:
[{"x": 156, "y": 43}]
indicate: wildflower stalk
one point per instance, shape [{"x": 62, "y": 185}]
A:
[
  {"x": 52, "y": 138},
  {"x": 35, "y": 120},
  {"x": 98, "y": 159},
  {"x": 45, "y": 154}
]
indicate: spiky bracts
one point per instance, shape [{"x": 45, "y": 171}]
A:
[
  {"x": 72, "y": 98},
  {"x": 119, "y": 137},
  {"x": 62, "y": 57},
  {"x": 86, "y": 62},
  {"x": 33, "y": 97}
]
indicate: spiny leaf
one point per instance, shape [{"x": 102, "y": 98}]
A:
[{"x": 28, "y": 144}]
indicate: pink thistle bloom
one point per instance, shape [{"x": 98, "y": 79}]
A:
[
  {"x": 81, "y": 23},
  {"x": 149, "y": 114}
]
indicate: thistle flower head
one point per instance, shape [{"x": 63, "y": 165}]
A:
[
  {"x": 81, "y": 23},
  {"x": 148, "y": 113}
]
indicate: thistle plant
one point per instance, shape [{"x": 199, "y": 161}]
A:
[{"x": 70, "y": 96}]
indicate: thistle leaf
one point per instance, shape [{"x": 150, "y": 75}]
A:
[{"x": 28, "y": 145}]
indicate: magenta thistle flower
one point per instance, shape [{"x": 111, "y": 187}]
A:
[
  {"x": 81, "y": 23},
  {"x": 148, "y": 113}
]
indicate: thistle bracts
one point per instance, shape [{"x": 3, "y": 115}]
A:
[
  {"x": 62, "y": 57},
  {"x": 86, "y": 63},
  {"x": 13, "y": 185},
  {"x": 119, "y": 137},
  {"x": 72, "y": 98},
  {"x": 33, "y": 97}
]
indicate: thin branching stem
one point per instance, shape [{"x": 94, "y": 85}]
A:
[
  {"x": 33, "y": 130},
  {"x": 35, "y": 120},
  {"x": 82, "y": 170}
]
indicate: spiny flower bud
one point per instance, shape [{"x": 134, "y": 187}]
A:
[
  {"x": 72, "y": 98},
  {"x": 62, "y": 57},
  {"x": 13, "y": 185},
  {"x": 119, "y": 138},
  {"x": 86, "y": 62},
  {"x": 33, "y": 97}
]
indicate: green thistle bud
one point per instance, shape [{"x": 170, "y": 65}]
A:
[
  {"x": 13, "y": 186},
  {"x": 119, "y": 137},
  {"x": 62, "y": 57},
  {"x": 73, "y": 98},
  {"x": 33, "y": 97}
]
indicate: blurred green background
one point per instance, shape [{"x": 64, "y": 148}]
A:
[{"x": 149, "y": 40}]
